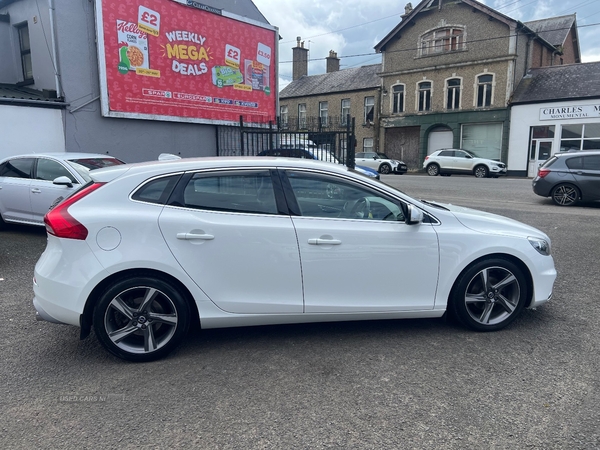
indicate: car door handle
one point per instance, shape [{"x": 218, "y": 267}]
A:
[
  {"x": 36, "y": 191},
  {"x": 317, "y": 241},
  {"x": 192, "y": 236}
]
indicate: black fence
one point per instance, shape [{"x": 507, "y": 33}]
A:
[{"x": 329, "y": 140}]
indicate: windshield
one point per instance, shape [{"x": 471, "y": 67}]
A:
[{"x": 84, "y": 165}]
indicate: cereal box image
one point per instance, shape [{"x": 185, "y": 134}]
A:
[{"x": 133, "y": 47}]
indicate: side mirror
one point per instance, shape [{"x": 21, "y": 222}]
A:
[
  {"x": 63, "y": 181},
  {"x": 414, "y": 215}
]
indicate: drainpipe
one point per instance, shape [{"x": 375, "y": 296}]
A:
[{"x": 52, "y": 13}]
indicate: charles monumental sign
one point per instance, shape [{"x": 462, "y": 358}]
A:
[{"x": 570, "y": 112}]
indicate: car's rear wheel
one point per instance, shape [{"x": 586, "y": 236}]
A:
[
  {"x": 433, "y": 170},
  {"x": 481, "y": 172},
  {"x": 385, "y": 168},
  {"x": 2, "y": 223},
  {"x": 489, "y": 295},
  {"x": 565, "y": 195},
  {"x": 141, "y": 318}
]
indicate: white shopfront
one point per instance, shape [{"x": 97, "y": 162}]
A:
[{"x": 539, "y": 130}]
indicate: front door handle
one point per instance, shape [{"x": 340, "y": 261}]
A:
[
  {"x": 317, "y": 241},
  {"x": 36, "y": 191},
  {"x": 192, "y": 236}
]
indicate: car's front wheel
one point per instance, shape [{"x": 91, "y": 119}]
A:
[
  {"x": 433, "y": 170},
  {"x": 489, "y": 295},
  {"x": 481, "y": 172},
  {"x": 565, "y": 195},
  {"x": 141, "y": 318},
  {"x": 385, "y": 168}
]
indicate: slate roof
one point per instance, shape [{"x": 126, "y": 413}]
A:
[
  {"x": 15, "y": 93},
  {"x": 569, "y": 82},
  {"x": 353, "y": 79},
  {"x": 554, "y": 29}
]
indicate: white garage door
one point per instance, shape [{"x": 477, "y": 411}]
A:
[{"x": 439, "y": 139}]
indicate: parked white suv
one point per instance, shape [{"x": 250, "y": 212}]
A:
[{"x": 448, "y": 161}]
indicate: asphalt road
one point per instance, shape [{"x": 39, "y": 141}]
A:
[{"x": 423, "y": 384}]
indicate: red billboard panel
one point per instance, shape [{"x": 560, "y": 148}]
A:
[{"x": 180, "y": 60}]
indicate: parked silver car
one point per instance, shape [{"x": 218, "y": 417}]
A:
[
  {"x": 31, "y": 184},
  {"x": 449, "y": 160},
  {"x": 380, "y": 162}
]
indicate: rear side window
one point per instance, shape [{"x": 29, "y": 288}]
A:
[
  {"x": 17, "y": 168},
  {"x": 156, "y": 191},
  {"x": 446, "y": 153},
  {"x": 250, "y": 192},
  {"x": 574, "y": 163}
]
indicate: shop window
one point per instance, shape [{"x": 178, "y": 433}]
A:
[
  {"x": 453, "y": 88},
  {"x": 484, "y": 140},
  {"x": 424, "y": 96},
  {"x": 580, "y": 137},
  {"x": 397, "y": 98},
  {"x": 345, "y": 106},
  {"x": 485, "y": 84},
  {"x": 442, "y": 40}
]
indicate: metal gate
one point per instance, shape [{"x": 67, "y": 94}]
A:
[{"x": 331, "y": 140}]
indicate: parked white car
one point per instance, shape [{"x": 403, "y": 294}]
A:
[
  {"x": 448, "y": 161},
  {"x": 146, "y": 248},
  {"x": 30, "y": 184},
  {"x": 380, "y": 162}
]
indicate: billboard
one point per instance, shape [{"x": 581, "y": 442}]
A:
[{"x": 180, "y": 60}]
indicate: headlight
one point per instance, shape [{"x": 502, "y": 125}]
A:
[{"x": 541, "y": 245}]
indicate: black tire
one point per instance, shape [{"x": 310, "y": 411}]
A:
[
  {"x": 2, "y": 223},
  {"x": 141, "y": 319},
  {"x": 489, "y": 295},
  {"x": 385, "y": 168},
  {"x": 565, "y": 194},
  {"x": 433, "y": 170},
  {"x": 481, "y": 171}
]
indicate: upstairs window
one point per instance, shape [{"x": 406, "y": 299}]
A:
[
  {"x": 324, "y": 113},
  {"x": 453, "y": 87},
  {"x": 397, "y": 98},
  {"x": 485, "y": 84},
  {"x": 369, "y": 109},
  {"x": 424, "y": 96},
  {"x": 442, "y": 40},
  {"x": 302, "y": 115},
  {"x": 283, "y": 116},
  {"x": 25, "y": 49},
  {"x": 345, "y": 110}
]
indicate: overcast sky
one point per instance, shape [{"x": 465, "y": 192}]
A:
[{"x": 353, "y": 27}]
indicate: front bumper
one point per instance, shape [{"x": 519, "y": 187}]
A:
[{"x": 401, "y": 168}]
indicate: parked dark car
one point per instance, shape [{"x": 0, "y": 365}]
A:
[{"x": 569, "y": 178}]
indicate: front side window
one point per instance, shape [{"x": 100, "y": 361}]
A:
[
  {"x": 25, "y": 49},
  {"x": 424, "y": 96},
  {"x": 302, "y": 115},
  {"x": 345, "y": 110},
  {"x": 49, "y": 170},
  {"x": 250, "y": 192},
  {"x": 329, "y": 197},
  {"x": 442, "y": 40},
  {"x": 453, "y": 93},
  {"x": 17, "y": 168},
  {"x": 484, "y": 90},
  {"x": 369, "y": 109},
  {"x": 324, "y": 113},
  {"x": 283, "y": 116},
  {"x": 397, "y": 98}
]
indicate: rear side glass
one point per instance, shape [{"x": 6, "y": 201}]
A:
[
  {"x": 574, "y": 163},
  {"x": 446, "y": 153},
  {"x": 17, "y": 168},
  {"x": 156, "y": 191}
]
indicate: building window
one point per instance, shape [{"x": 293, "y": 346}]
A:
[
  {"x": 424, "y": 96},
  {"x": 369, "y": 109},
  {"x": 25, "y": 49},
  {"x": 367, "y": 144},
  {"x": 345, "y": 110},
  {"x": 485, "y": 140},
  {"x": 397, "y": 98},
  {"x": 302, "y": 115},
  {"x": 453, "y": 88},
  {"x": 580, "y": 137},
  {"x": 283, "y": 116},
  {"x": 485, "y": 84},
  {"x": 442, "y": 40},
  {"x": 324, "y": 113}
]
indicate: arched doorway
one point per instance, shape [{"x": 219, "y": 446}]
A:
[{"x": 439, "y": 137}]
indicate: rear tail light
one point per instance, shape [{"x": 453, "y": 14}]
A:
[
  {"x": 62, "y": 224},
  {"x": 543, "y": 172},
  {"x": 427, "y": 157}
]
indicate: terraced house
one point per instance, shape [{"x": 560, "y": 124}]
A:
[{"x": 449, "y": 69}]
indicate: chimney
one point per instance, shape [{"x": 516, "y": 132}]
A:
[
  {"x": 300, "y": 60},
  {"x": 407, "y": 10},
  {"x": 333, "y": 62}
]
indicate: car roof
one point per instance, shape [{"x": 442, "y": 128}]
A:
[
  {"x": 577, "y": 153},
  {"x": 153, "y": 168},
  {"x": 61, "y": 155}
]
